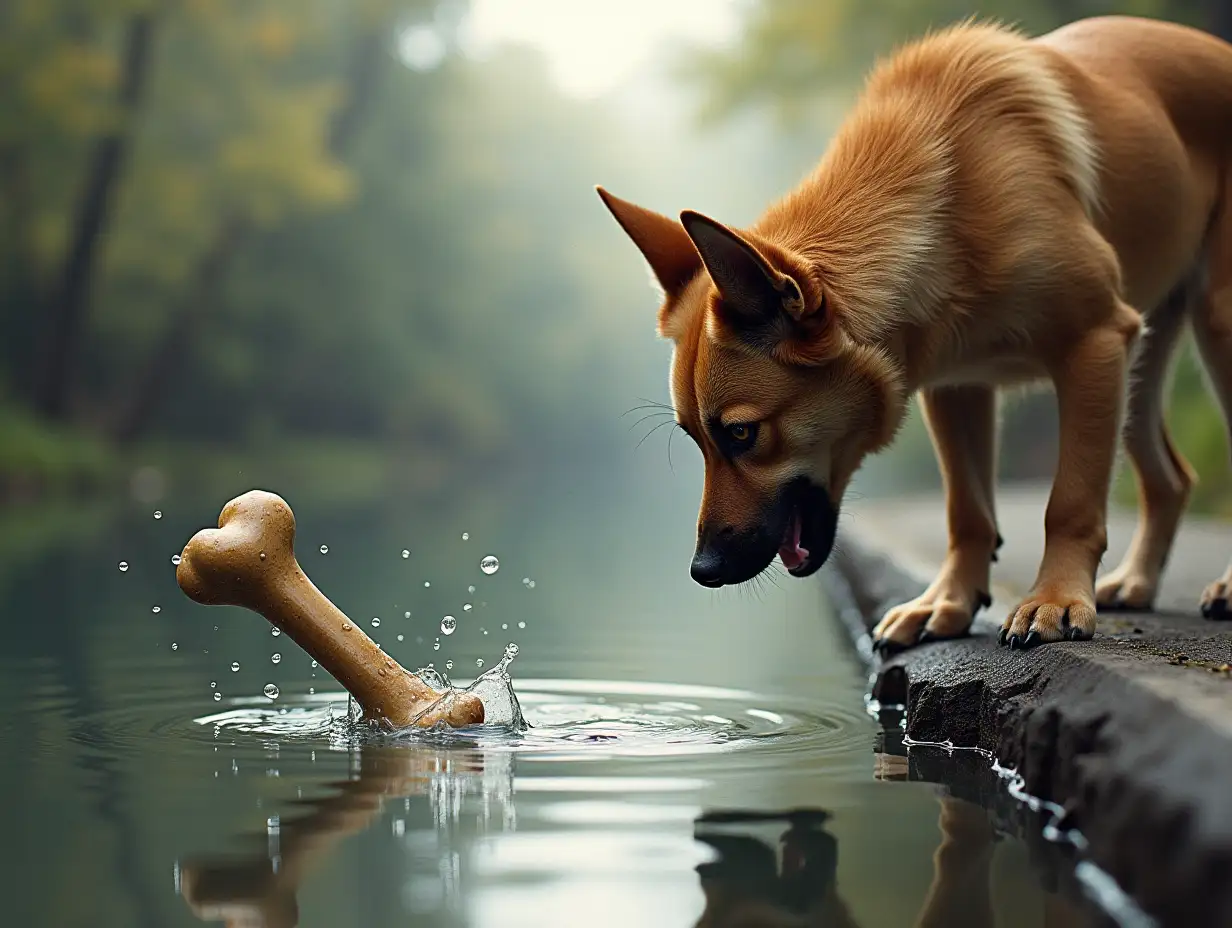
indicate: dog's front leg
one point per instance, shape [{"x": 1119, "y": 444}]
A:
[
  {"x": 962, "y": 422},
  {"x": 1090, "y": 382}
]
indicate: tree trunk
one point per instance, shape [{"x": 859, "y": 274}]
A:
[
  {"x": 69, "y": 306},
  {"x": 169, "y": 354}
]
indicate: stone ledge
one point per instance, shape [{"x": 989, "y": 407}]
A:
[{"x": 1131, "y": 733}]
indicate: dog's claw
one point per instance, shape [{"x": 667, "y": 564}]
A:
[
  {"x": 1073, "y": 634},
  {"x": 926, "y": 636},
  {"x": 1002, "y": 637},
  {"x": 997, "y": 547},
  {"x": 1216, "y": 610},
  {"x": 1015, "y": 642},
  {"x": 982, "y": 601},
  {"x": 1033, "y": 638}
]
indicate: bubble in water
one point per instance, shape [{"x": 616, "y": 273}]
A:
[
  {"x": 466, "y": 536},
  {"x": 521, "y": 625},
  {"x": 276, "y": 658},
  {"x": 471, "y": 588},
  {"x": 376, "y": 622},
  {"x": 275, "y": 631},
  {"x": 175, "y": 559},
  {"x": 157, "y": 609},
  {"x": 449, "y": 665},
  {"x": 123, "y": 566},
  {"x": 271, "y": 691},
  {"x": 448, "y": 624},
  {"x": 325, "y": 549},
  {"x": 401, "y": 637},
  {"x": 489, "y": 565},
  {"x": 235, "y": 666},
  {"x": 174, "y": 646},
  {"x": 158, "y": 514},
  {"x": 479, "y": 662},
  {"x": 427, "y": 584},
  {"x": 405, "y": 554},
  {"x": 217, "y": 697},
  {"x": 466, "y": 607}
]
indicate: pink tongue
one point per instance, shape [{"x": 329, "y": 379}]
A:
[{"x": 790, "y": 551}]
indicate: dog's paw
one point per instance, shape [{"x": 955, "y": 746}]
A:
[
  {"x": 1215, "y": 599},
  {"x": 1053, "y": 613},
  {"x": 1126, "y": 590},
  {"x": 934, "y": 616}
]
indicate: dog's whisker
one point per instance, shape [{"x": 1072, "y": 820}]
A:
[
  {"x": 652, "y": 431},
  {"x": 652, "y": 415}
]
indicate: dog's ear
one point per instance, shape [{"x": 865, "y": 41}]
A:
[
  {"x": 754, "y": 292},
  {"x": 663, "y": 242}
]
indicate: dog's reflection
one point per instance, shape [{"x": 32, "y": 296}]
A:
[
  {"x": 260, "y": 891},
  {"x": 750, "y": 885}
]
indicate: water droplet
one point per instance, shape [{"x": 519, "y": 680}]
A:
[
  {"x": 123, "y": 566},
  {"x": 235, "y": 666},
  {"x": 213, "y": 684},
  {"x": 312, "y": 691},
  {"x": 466, "y": 607},
  {"x": 521, "y": 625},
  {"x": 174, "y": 646},
  {"x": 526, "y": 581},
  {"x": 449, "y": 665},
  {"x": 276, "y": 658},
  {"x": 466, "y": 536},
  {"x": 271, "y": 691},
  {"x": 471, "y": 588},
  {"x": 531, "y": 585},
  {"x": 158, "y": 514},
  {"x": 217, "y": 697},
  {"x": 448, "y": 624},
  {"x": 346, "y": 626},
  {"x": 436, "y": 645},
  {"x": 315, "y": 664},
  {"x": 484, "y": 630},
  {"x": 479, "y": 662},
  {"x": 511, "y": 650},
  {"x": 427, "y": 584},
  {"x": 261, "y": 555},
  {"x": 376, "y": 622},
  {"x": 504, "y": 626},
  {"x": 405, "y": 554},
  {"x": 381, "y": 672},
  {"x": 325, "y": 549},
  {"x": 175, "y": 559},
  {"x": 401, "y": 638},
  {"x": 157, "y": 609}
]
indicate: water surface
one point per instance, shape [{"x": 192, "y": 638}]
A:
[{"x": 150, "y": 784}]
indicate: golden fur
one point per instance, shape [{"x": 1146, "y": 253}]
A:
[{"x": 995, "y": 210}]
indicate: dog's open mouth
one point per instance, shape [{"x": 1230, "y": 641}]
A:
[{"x": 809, "y": 534}]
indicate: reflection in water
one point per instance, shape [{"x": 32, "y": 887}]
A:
[{"x": 259, "y": 891}]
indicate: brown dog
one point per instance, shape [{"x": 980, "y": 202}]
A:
[{"x": 996, "y": 210}]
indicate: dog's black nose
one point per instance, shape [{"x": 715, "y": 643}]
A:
[{"x": 707, "y": 568}]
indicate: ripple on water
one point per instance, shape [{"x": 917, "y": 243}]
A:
[{"x": 589, "y": 719}]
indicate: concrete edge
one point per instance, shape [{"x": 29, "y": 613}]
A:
[{"x": 1144, "y": 781}]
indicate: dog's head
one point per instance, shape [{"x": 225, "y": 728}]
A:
[{"x": 782, "y": 402}]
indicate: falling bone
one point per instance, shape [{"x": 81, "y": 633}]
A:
[{"x": 249, "y": 561}]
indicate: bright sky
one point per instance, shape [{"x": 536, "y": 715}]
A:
[{"x": 594, "y": 45}]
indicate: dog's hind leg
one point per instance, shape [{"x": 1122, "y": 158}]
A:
[
  {"x": 1164, "y": 478},
  {"x": 963, "y": 423},
  {"x": 1212, "y": 324}
]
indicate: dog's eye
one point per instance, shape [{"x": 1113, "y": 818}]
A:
[{"x": 742, "y": 434}]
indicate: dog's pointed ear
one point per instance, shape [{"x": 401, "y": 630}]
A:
[
  {"x": 754, "y": 291},
  {"x": 663, "y": 242}
]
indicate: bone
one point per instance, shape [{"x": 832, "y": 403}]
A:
[{"x": 249, "y": 561}]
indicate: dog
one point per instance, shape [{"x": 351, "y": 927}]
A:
[{"x": 996, "y": 210}]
